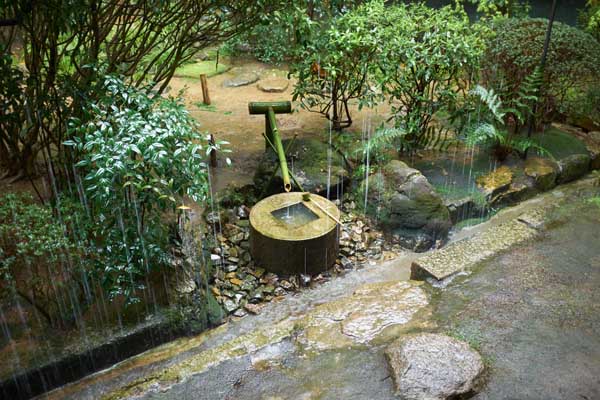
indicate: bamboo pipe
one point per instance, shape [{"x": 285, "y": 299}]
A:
[
  {"x": 279, "y": 150},
  {"x": 262, "y": 107},
  {"x": 306, "y": 197}
]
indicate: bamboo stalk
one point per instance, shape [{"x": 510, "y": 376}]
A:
[
  {"x": 279, "y": 107},
  {"x": 279, "y": 150},
  {"x": 306, "y": 198}
]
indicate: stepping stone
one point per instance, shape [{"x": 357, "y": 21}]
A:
[
  {"x": 429, "y": 366},
  {"x": 273, "y": 85},
  {"x": 466, "y": 253},
  {"x": 242, "y": 79}
]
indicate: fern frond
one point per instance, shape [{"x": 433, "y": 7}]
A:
[
  {"x": 383, "y": 138},
  {"x": 482, "y": 133},
  {"x": 491, "y": 100}
]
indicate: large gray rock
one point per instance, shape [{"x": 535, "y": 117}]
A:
[
  {"x": 404, "y": 201},
  {"x": 573, "y": 167},
  {"x": 309, "y": 161},
  {"x": 433, "y": 367}
]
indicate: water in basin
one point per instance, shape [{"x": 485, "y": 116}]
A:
[{"x": 295, "y": 215}]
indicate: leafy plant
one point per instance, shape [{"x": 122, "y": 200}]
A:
[
  {"x": 595, "y": 201},
  {"x": 426, "y": 62},
  {"x": 140, "y": 155},
  {"x": 333, "y": 67},
  {"x": 582, "y": 108},
  {"x": 514, "y": 52},
  {"x": 377, "y": 148},
  {"x": 18, "y": 143},
  {"x": 41, "y": 259},
  {"x": 498, "y": 126},
  {"x": 64, "y": 39},
  {"x": 589, "y": 18},
  {"x": 502, "y": 8}
]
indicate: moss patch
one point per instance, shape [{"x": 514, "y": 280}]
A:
[
  {"x": 194, "y": 70},
  {"x": 560, "y": 144},
  {"x": 500, "y": 177}
]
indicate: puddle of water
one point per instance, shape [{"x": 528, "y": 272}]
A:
[{"x": 295, "y": 215}]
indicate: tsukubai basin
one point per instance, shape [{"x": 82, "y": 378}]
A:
[{"x": 289, "y": 235}]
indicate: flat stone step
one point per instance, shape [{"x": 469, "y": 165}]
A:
[{"x": 466, "y": 253}]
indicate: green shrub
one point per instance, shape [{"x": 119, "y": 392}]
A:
[
  {"x": 40, "y": 259},
  {"x": 140, "y": 156},
  {"x": 333, "y": 68},
  {"x": 583, "y": 107},
  {"x": 589, "y": 18},
  {"x": 502, "y": 8},
  {"x": 515, "y": 50},
  {"x": 426, "y": 61}
]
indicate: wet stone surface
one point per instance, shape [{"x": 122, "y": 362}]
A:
[
  {"x": 464, "y": 255},
  {"x": 430, "y": 366},
  {"x": 360, "y": 318},
  {"x": 533, "y": 312}
]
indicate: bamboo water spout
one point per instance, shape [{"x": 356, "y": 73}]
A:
[{"x": 272, "y": 137}]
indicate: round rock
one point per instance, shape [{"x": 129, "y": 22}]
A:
[
  {"x": 273, "y": 85},
  {"x": 430, "y": 367}
]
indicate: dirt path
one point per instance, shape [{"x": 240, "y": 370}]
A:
[{"x": 228, "y": 118}]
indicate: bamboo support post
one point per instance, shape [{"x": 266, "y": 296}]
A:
[
  {"x": 278, "y": 107},
  {"x": 205, "y": 94}
]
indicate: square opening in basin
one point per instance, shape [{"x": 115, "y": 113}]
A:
[{"x": 295, "y": 215}]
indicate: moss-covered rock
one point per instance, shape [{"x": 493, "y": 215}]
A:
[
  {"x": 543, "y": 171},
  {"x": 404, "y": 202},
  {"x": 573, "y": 167},
  {"x": 594, "y": 149},
  {"x": 496, "y": 181},
  {"x": 308, "y": 159},
  {"x": 521, "y": 188}
]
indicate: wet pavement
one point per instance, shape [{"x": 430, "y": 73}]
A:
[{"x": 534, "y": 312}]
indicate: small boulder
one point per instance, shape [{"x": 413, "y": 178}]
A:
[
  {"x": 573, "y": 167},
  {"x": 433, "y": 367},
  {"x": 543, "y": 171},
  {"x": 273, "y": 85},
  {"x": 404, "y": 201},
  {"x": 593, "y": 145},
  {"x": 521, "y": 188},
  {"x": 496, "y": 181},
  {"x": 241, "y": 79},
  {"x": 308, "y": 160},
  {"x": 464, "y": 208}
]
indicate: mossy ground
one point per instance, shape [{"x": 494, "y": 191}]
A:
[{"x": 194, "y": 70}]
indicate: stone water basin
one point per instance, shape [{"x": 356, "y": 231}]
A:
[{"x": 289, "y": 235}]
